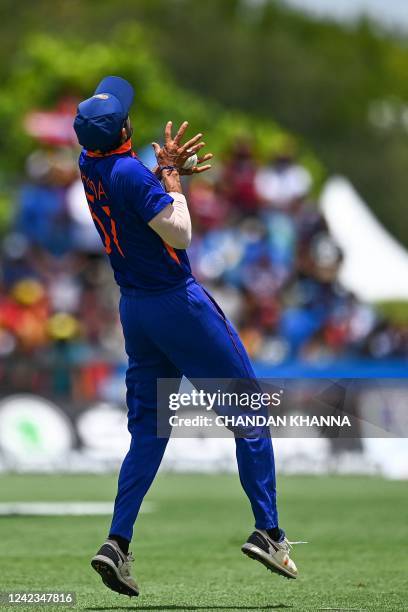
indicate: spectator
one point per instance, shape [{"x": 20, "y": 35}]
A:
[
  {"x": 238, "y": 178},
  {"x": 283, "y": 182},
  {"x": 259, "y": 244}
]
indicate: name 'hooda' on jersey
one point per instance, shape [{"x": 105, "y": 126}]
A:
[{"x": 97, "y": 194}]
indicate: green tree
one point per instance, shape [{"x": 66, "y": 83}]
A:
[{"x": 46, "y": 67}]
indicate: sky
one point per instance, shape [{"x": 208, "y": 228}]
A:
[{"x": 391, "y": 13}]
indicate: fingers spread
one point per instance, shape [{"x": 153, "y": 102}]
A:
[
  {"x": 156, "y": 148},
  {"x": 204, "y": 158},
  {"x": 197, "y": 147},
  {"x": 199, "y": 169},
  {"x": 181, "y": 132},
  {"x": 167, "y": 131},
  {"x": 191, "y": 142}
]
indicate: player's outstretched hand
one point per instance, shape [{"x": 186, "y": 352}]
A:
[{"x": 173, "y": 153}]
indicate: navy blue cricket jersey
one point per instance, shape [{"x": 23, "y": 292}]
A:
[{"x": 123, "y": 196}]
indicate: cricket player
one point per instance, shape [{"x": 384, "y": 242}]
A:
[{"x": 172, "y": 326}]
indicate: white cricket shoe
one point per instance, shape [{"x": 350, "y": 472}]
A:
[
  {"x": 274, "y": 555},
  {"x": 114, "y": 568}
]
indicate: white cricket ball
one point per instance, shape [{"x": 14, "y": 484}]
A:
[{"x": 190, "y": 162}]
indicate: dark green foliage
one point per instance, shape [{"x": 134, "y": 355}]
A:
[{"x": 342, "y": 89}]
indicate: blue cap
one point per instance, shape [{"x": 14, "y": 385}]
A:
[{"x": 99, "y": 119}]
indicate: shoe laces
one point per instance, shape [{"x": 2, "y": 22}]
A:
[
  {"x": 126, "y": 564},
  {"x": 288, "y": 545}
]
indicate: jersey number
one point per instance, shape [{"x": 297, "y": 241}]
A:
[{"x": 107, "y": 241}]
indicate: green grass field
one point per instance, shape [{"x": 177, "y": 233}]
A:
[{"x": 187, "y": 549}]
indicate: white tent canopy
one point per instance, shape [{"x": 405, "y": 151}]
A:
[{"x": 375, "y": 265}]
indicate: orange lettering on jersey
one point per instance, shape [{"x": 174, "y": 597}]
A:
[
  {"x": 115, "y": 237},
  {"x": 106, "y": 209},
  {"x": 101, "y": 191},
  {"x": 107, "y": 241},
  {"x": 89, "y": 196},
  {"x": 92, "y": 187},
  {"x": 89, "y": 185}
]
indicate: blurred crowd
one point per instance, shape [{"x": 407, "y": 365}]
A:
[
  {"x": 260, "y": 245},
  {"x": 266, "y": 252}
]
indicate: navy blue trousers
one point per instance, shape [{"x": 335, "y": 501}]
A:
[{"x": 182, "y": 332}]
